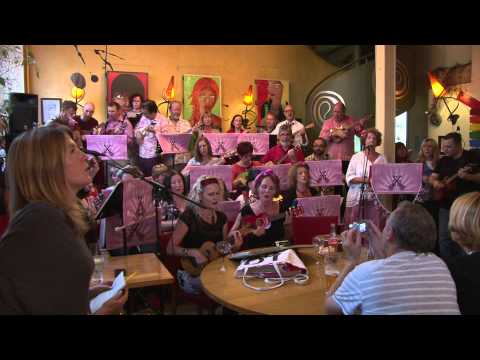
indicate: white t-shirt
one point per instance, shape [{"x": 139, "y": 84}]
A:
[{"x": 405, "y": 283}]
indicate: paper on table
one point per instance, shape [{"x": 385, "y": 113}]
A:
[{"x": 97, "y": 302}]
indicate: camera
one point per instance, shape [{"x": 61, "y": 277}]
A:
[{"x": 360, "y": 226}]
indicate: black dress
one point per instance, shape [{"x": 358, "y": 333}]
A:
[
  {"x": 290, "y": 195},
  {"x": 274, "y": 233}
]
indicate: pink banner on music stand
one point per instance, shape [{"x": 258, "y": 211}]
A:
[
  {"x": 396, "y": 178},
  {"x": 223, "y": 172},
  {"x": 114, "y": 239},
  {"x": 113, "y": 146},
  {"x": 174, "y": 143},
  {"x": 222, "y": 143},
  {"x": 328, "y": 205},
  {"x": 230, "y": 208},
  {"x": 260, "y": 142},
  {"x": 325, "y": 172},
  {"x": 138, "y": 209},
  {"x": 281, "y": 171}
]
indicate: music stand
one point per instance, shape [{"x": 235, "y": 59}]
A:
[
  {"x": 222, "y": 143},
  {"x": 112, "y": 206},
  {"x": 390, "y": 179},
  {"x": 325, "y": 172},
  {"x": 114, "y": 147}
]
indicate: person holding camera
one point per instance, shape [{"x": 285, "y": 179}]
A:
[{"x": 405, "y": 278}]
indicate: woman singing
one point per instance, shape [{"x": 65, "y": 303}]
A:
[
  {"x": 262, "y": 215},
  {"x": 357, "y": 179},
  {"x": 45, "y": 265},
  {"x": 196, "y": 226},
  {"x": 299, "y": 184}
]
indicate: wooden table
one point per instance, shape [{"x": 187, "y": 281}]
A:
[
  {"x": 150, "y": 270},
  {"x": 290, "y": 299}
]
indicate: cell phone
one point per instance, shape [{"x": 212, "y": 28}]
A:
[
  {"x": 118, "y": 271},
  {"x": 360, "y": 227}
]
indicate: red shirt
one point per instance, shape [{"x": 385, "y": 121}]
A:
[
  {"x": 277, "y": 152},
  {"x": 237, "y": 169}
]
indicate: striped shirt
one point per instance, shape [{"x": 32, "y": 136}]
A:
[{"x": 405, "y": 283}]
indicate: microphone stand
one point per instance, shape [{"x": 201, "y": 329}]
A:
[
  {"x": 361, "y": 205},
  {"x": 156, "y": 187}
]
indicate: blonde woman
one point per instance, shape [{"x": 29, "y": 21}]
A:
[
  {"x": 45, "y": 265},
  {"x": 197, "y": 225},
  {"x": 464, "y": 227}
]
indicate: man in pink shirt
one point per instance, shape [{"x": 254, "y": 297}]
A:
[{"x": 339, "y": 131}]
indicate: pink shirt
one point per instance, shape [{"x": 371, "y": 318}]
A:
[{"x": 344, "y": 149}]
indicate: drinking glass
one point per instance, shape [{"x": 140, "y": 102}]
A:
[
  {"x": 317, "y": 247},
  {"x": 97, "y": 276},
  {"x": 224, "y": 248},
  {"x": 331, "y": 267}
]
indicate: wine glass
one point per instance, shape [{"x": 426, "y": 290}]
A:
[
  {"x": 317, "y": 246},
  {"x": 223, "y": 247}
]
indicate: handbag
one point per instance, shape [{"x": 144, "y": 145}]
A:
[{"x": 276, "y": 269}]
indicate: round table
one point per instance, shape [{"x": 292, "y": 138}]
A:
[{"x": 289, "y": 299}]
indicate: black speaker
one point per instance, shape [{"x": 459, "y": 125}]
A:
[{"x": 23, "y": 112}]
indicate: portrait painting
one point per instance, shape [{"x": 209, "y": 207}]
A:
[
  {"x": 121, "y": 84},
  {"x": 271, "y": 95},
  {"x": 202, "y": 94}
]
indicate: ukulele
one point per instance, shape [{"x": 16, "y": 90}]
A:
[
  {"x": 190, "y": 265},
  {"x": 450, "y": 184},
  {"x": 250, "y": 223}
]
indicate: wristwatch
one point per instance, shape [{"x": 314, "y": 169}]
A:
[{"x": 185, "y": 251}]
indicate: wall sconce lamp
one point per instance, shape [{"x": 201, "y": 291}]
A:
[
  {"x": 439, "y": 92},
  {"x": 248, "y": 102},
  {"x": 77, "y": 94},
  {"x": 168, "y": 94}
]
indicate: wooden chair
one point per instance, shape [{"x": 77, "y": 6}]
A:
[{"x": 172, "y": 263}]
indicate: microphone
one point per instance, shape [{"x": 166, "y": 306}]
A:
[
  {"x": 94, "y": 153},
  {"x": 80, "y": 54}
]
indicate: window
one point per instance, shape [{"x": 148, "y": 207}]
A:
[{"x": 401, "y": 128}]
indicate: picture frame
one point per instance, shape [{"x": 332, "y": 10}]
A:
[
  {"x": 126, "y": 83},
  {"x": 51, "y": 108}
]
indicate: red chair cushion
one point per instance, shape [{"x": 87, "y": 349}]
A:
[{"x": 305, "y": 228}]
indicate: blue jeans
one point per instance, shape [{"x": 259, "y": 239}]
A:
[{"x": 447, "y": 247}]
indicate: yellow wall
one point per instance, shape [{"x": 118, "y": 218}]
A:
[{"x": 238, "y": 65}]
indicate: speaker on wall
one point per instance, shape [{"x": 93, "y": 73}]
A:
[{"x": 23, "y": 112}]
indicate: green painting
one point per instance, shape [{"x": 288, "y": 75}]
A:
[{"x": 202, "y": 94}]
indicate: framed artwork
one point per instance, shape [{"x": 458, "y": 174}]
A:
[
  {"x": 271, "y": 95},
  {"x": 202, "y": 93},
  {"x": 126, "y": 83},
  {"x": 51, "y": 108}
]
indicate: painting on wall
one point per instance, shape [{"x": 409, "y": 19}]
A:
[
  {"x": 202, "y": 94},
  {"x": 126, "y": 84},
  {"x": 271, "y": 95}
]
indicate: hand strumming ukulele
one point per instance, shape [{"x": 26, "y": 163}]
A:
[
  {"x": 190, "y": 265},
  {"x": 451, "y": 184}
]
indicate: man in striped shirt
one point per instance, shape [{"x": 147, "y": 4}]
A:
[{"x": 404, "y": 279}]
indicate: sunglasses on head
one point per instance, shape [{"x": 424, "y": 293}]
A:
[{"x": 208, "y": 181}]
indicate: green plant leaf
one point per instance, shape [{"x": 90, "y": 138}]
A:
[{"x": 2, "y": 81}]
